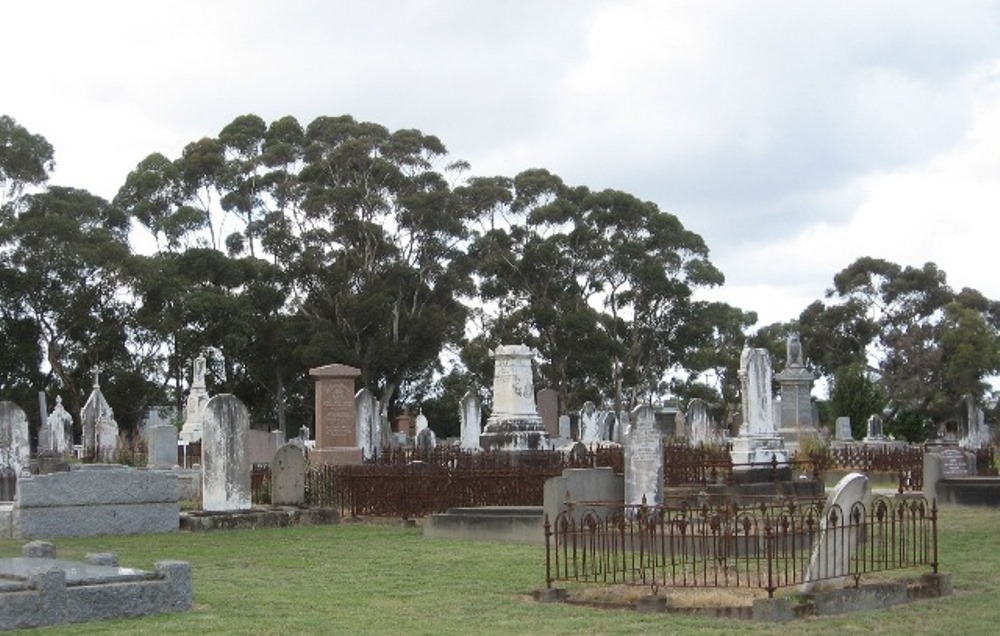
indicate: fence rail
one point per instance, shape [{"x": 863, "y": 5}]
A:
[{"x": 763, "y": 545}]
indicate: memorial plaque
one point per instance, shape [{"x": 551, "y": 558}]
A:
[{"x": 953, "y": 463}]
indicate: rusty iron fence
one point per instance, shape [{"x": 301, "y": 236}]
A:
[
  {"x": 766, "y": 545},
  {"x": 407, "y": 483}
]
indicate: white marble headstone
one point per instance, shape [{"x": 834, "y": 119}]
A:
[
  {"x": 225, "y": 455},
  {"x": 15, "y": 447},
  {"x": 644, "y": 459},
  {"x": 471, "y": 416},
  {"x": 838, "y": 541}
]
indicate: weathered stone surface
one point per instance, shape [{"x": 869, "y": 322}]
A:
[
  {"x": 644, "y": 459},
  {"x": 288, "y": 476},
  {"x": 471, "y": 415},
  {"x": 224, "y": 455},
  {"x": 52, "y": 592},
  {"x": 161, "y": 441},
  {"x": 87, "y": 486},
  {"x": 837, "y": 545},
  {"x": 15, "y": 447}
]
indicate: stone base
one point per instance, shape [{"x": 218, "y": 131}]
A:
[
  {"x": 515, "y": 435},
  {"x": 759, "y": 450},
  {"x": 338, "y": 456}
]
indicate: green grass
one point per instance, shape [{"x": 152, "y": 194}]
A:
[{"x": 383, "y": 579}]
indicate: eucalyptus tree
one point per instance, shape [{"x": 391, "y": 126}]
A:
[
  {"x": 600, "y": 282},
  {"x": 63, "y": 259},
  {"x": 925, "y": 345},
  {"x": 379, "y": 265}
]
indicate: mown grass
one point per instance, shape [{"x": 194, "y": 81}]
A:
[{"x": 384, "y": 579}]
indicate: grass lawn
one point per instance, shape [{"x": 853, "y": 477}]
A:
[{"x": 382, "y": 579}]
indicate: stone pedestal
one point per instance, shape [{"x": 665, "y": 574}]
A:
[
  {"x": 758, "y": 441},
  {"x": 336, "y": 416},
  {"x": 796, "y": 423},
  {"x": 515, "y": 424}
]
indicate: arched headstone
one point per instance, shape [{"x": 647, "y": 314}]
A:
[
  {"x": 288, "y": 476},
  {"x": 15, "y": 447},
  {"x": 845, "y": 511}
]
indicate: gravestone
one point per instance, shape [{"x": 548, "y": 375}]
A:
[
  {"x": 548, "y": 410},
  {"x": 336, "y": 420},
  {"x": 700, "y": 425},
  {"x": 589, "y": 428},
  {"x": 426, "y": 442},
  {"x": 471, "y": 415},
  {"x": 161, "y": 445},
  {"x": 225, "y": 454},
  {"x": 758, "y": 442},
  {"x": 795, "y": 407},
  {"x": 644, "y": 459},
  {"x": 15, "y": 446},
  {"x": 194, "y": 408},
  {"x": 942, "y": 463},
  {"x": 369, "y": 435},
  {"x": 605, "y": 425},
  {"x": 837, "y": 546},
  {"x": 100, "y": 430},
  {"x": 621, "y": 431},
  {"x": 514, "y": 424},
  {"x": 421, "y": 423},
  {"x": 565, "y": 427},
  {"x": 58, "y": 431},
  {"x": 843, "y": 432},
  {"x": 288, "y": 476},
  {"x": 874, "y": 432}
]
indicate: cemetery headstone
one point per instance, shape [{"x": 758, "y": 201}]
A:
[
  {"x": 471, "y": 415},
  {"x": 288, "y": 476},
  {"x": 874, "y": 432},
  {"x": 15, "y": 446},
  {"x": 589, "y": 429},
  {"x": 514, "y": 424},
  {"x": 195, "y": 406},
  {"x": 161, "y": 446},
  {"x": 100, "y": 430},
  {"x": 605, "y": 425},
  {"x": 426, "y": 442},
  {"x": 758, "y": 442},
  {"x": 644, "y": 459},
  {"x": 548, "y": 410},
  {"x": 843, "y": 432},
  {"x": 369, "y": 435},
  {"x": 565, "y": 427},
  {"x": 700, "y": 424},
  {"x": 838, "y": 541},
  {"x": 59, "y": 430},
  {"x": 421, "y": 423},
  {"x": 225, "y": 457},
  {"x": 336, "y": 420},
  {"x": 795, "y": 409},
  {"x": 621, "y": 430}
]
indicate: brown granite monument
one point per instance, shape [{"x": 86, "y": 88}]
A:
[{"x": 336, "y": 417}]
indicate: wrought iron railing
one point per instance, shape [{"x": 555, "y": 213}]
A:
[{"x": 766, "y": 545}]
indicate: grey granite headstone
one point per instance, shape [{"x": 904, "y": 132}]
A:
[
  {"x": 843, "y": 432},
  {"x": 225, "y": 455},
  {"x": 288, "y": 476},
  {"x": 644, "y": 459},
  {"x": 548, "y": 410},
  {"x": 161, "y": 441}
]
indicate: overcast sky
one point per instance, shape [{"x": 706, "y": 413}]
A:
[{"x": 793, "y": 136}]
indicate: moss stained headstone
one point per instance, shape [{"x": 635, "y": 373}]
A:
[{"x": 225, "y": 456}]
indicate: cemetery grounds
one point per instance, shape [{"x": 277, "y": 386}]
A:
[{"x": 377, "y": 577}]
